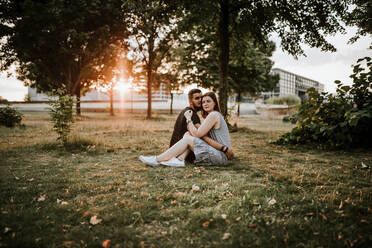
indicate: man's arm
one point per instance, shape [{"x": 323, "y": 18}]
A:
[{"x": 216, "y": 145}]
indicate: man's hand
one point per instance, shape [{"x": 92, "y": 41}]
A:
[
  {"x": 188, "y": 114},
  {"x": 230, "y": 154}
]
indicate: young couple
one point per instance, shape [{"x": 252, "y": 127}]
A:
[{"x": 203, "y": 144}]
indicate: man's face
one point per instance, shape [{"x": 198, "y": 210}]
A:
[{"x": 196, "y": 101}]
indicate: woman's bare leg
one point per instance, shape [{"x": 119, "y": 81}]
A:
[
  {"x": 184, "y": 155},
  {"x": 186, "y": 143}
]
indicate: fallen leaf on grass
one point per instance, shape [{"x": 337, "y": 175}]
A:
[
  {"x": 272, "y": 202},
  {"x": 252, "y": 226},
  {"x": 7, "y": 229},
  {"x": 85, "y": 213},
  {"x": 195, "y": 188},
  {"x": 68, "y": 243},
  {"x": 106, "y": 243},
  {"x": 179, "y": 194},
  {"x": 206, "y": 224},
  {"x": 173, "y": 202},
  {"x": 94, "y": 220},
  {"x": 226, "y": 236},
  {"x": 364, "y": 166},
  {"x": 323, "y": 216},
  {"x": 41, "y": 198},
  {"x": 30, "y": 180}
]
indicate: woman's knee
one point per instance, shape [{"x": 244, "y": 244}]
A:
[{"x": 188, "y": 138}]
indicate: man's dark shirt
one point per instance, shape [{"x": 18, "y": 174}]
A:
[{"x": 180, "y": 128}]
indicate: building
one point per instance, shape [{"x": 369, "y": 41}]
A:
[
  {"x": 292, "y": 84},
  {"x": 162, "y": 94}
]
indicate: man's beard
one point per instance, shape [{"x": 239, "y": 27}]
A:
[{"x": 196, "y": 107}]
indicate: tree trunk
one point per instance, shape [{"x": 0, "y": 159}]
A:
[
  {"x": 223, "y": 54},
  {"x": 112, "y": 100},
  {"x": 171, "y": 103},
  {"x": 78, "y": 94},
  {"x": 239, "y": 101},
  {"x": 149, "y": 76}
]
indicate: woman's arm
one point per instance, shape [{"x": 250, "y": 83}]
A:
[
  {"x": 213, "y": 143},
  {"x": 216, "y": 145},
  {"x": 229, "y": 153},
  {"x": 207, "y": 125}
]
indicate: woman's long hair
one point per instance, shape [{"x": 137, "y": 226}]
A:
[{"x": 214, "y": 98}]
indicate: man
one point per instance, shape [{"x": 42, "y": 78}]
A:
[{"x": 180, "y": 127}]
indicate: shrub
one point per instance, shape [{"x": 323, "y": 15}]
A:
[
  {"x": 10, "y": 117},
  {"x": 287, "y": 99},
  {"x": 341, "y": 120},
  {"x": 62, "y": 114},
  {"x": 3, "y": 101}
]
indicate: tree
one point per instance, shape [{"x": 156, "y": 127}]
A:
[
  {"x": 360, "y": 16},
  {"x": 249, "y": 66},
  {"x": 59, "y": 44},
  {"x": 115, "y": 69},
  {"x": 153, "y": 32},
  {"x": 171, "y": 74},
  {"x": 296, "y": 22}
]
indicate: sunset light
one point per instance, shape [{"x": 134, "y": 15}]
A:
[{"x": 123, "y": 86}]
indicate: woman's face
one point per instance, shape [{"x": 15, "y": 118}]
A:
[{"x": 208, "y": 104}]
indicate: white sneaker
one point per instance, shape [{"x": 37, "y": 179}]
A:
[
  {"x": 174, "y": 162},
  {"x": 149, "y": 160}
]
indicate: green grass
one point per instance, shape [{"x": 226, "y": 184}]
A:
[{"x": 270, "y": 196}]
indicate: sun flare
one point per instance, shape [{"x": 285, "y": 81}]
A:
[{"x": 122, "y": 86}]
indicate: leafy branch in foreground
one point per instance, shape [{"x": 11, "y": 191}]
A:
[
  {"x": 61, "y": 114},
  {"x": 338, "y": 121}
]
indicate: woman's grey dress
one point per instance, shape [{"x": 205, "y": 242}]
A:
[{"x": 206, "y": 154}]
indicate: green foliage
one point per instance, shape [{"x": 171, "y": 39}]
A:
[
  {"x": 153, "y": 32},
  {"x": 61, "y": 114},
  {"x": 360, "y": 17},
  {"x": 339, "y": 121},
  {"x": 10, "y": 117},
  {"x": 3, "y": 100},
  {"x": 60, "y": 44},
  {"x": 292, "y": 118},
  {"x": 286, "y": 99}
]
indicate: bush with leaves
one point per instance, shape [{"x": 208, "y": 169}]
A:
[
  {"x": 286, "y": 99},
  {"x": 340, "y": 121},
  {"x": 10, "y": 117},
  {"x": 62, "y": 114}
]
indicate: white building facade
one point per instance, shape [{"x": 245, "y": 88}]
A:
[
  {"x": 292, "y": 84},
  {"x": 162, "y": 94}
]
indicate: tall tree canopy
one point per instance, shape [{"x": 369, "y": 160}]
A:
[
  {"x": 360, "y": 16},
  {"x": 153, "y": 32},
  {"x": 296, "y": 22},
  {"x": 59, "y": 43},
  {"x": 249, "y": 64}
]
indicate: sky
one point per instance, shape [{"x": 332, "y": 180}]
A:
[{"x": 324, "y": 67}]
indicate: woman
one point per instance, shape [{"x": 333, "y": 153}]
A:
[{"x": 214, "y": 124}]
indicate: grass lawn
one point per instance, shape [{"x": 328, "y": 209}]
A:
[{"x": 98, "y": 190}]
